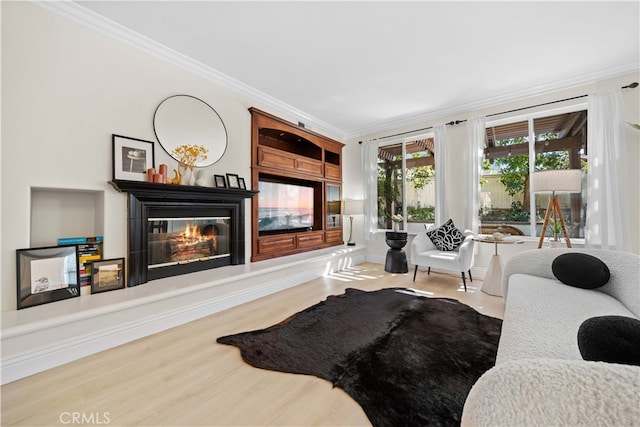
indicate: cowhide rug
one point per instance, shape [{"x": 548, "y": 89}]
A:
[{"x": 406, "y": 359}]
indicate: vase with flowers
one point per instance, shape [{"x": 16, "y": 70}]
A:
[
  {"x": 188, "y": 155},
  {"x": 397, "y": 219}
]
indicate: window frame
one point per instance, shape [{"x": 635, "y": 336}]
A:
[
  {"x": 403, "y": 142},
  {"x": 530, "y": 117}
]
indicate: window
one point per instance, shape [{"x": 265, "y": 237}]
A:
[
  {"x": 406, "y": 184},
  {"x": 513, "y": 152}
]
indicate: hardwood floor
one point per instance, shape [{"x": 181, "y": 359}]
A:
[{"x": 182, "y": 377}]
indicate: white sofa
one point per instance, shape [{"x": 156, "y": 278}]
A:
[{"x": 540, "y": 377}]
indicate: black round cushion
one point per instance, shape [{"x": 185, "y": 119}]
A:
[
  {"x": 614, "y": 339},
  {"x": 580, "y": 270}
]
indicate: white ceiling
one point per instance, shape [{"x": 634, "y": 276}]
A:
[{"x": 359, "y": 66}]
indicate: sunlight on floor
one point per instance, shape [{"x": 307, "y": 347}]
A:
[{"x": 370, "y": 276}]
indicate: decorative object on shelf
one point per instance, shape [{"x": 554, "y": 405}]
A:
[
  {"x": 186, "y": 174},
  {"x": 177, "y": 178},
  {"x": 107, "y": 275},
  {"x": 202, "y": 180},
  {"x": 243, "y": 185},
  {"x": 397, "y": 219},
  {"x": 556, "y": 181},
  {"x": 233, "y": 180},
  {"x": 46, "y": 275},
  {"x": 158, "y": 177},
  {"x": 188, "y": 156},
  {"x": 131, "y": 158},
  {"x": 352, "y": 208},
  {"x": 220, "y": 181},
  {"x": 333, "y": 208},
  {"x": 182, "y": 118}
]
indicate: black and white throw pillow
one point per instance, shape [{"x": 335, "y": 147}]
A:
[{"x": 446, "y": 237}]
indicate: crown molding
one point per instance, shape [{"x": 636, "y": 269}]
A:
[
  {"x": 97, "y": 22},
  {"x": 420, "y": 120},
  {"x": 75, "y": 12}
]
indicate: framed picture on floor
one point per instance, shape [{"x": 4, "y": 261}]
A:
[
  {"x": 107, "y": 275},
  {"x": 131, "y": 158},
  {"x": 46, "y": 275}
]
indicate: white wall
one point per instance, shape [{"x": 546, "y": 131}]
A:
[{"x": 66, "y": 89}]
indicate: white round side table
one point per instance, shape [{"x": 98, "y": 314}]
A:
[{"x": 492, "y": 283}]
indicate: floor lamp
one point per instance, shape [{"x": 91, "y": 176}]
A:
[
  {"x": 556, "y": 181},
  {"x": 351, "y": 208}
]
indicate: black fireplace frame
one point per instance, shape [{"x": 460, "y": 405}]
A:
[{"x": 144, "y": 197}]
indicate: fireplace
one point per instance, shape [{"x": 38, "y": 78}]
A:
[{"x": 176, "y": 230}]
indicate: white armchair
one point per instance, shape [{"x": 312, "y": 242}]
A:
[{"x": 424, "y": 253}]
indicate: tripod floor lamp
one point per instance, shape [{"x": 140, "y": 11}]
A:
[
  {"x": 556, "y": 181},
  {"x": 352, "y": 208}
]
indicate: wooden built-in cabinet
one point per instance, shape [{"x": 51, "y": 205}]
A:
[{"x": 284, "y": 153}]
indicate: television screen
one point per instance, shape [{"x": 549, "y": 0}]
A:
[{"x": 284, "y": 207}]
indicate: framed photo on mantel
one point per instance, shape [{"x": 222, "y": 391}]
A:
[{"x": 233, "y": 180}]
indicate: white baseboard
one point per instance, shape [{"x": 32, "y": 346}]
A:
[{"x": 73, "y": 329}]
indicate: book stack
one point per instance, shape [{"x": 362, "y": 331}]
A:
[{"x": 89, "y": 250}]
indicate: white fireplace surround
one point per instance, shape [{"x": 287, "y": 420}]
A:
[{"x": 39, "y": 338}]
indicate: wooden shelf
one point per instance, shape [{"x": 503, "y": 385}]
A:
[{"x": 292, "y": 154}]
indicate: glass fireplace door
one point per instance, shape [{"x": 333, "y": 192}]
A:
[{"x": 173, "y": 241}]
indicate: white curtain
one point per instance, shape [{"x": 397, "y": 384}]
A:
[
  {"x": 476, "y": 135},
  {"x": 440, "y": 135},
  {"x": 607, "y": 207},
  {"x": 369, "y": 158}
]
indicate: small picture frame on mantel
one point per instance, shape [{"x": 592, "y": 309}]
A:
[
  {"x": 243, "y": 185},
  {"x": 233, "y": 180},
  {"x": 220, "y": 181}
]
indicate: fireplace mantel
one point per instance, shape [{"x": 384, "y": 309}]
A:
[
  {"x": 146, "y": 197},
  {"x": 171, "y": 191}
]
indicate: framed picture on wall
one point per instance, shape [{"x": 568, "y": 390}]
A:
[
  {"x": 131, "y": 158},
  {"x": 46, "y": 275},
  {"x": 220, "y": 181},
  {"x": 107, "y": 275}
]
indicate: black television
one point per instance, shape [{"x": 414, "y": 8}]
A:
[{"x": 284, "y": 207}]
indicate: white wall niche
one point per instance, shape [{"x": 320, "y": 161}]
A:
[{"x": 62, "y": 212}]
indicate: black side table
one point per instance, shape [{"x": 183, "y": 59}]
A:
[{"x": 396, "y": 261}]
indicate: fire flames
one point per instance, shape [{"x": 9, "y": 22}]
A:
[{"x": 193, "y": 244}]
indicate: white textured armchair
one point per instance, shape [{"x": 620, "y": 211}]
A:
[{"x": 424, "y": 253}]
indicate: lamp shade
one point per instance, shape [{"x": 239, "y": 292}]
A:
[
  {"x": 561, "y": 180},
  {"x": 353, "y": 207}
]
